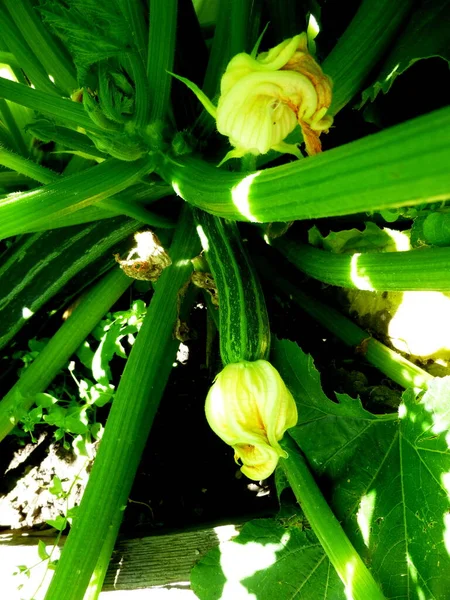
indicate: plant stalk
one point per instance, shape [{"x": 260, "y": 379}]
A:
[
  {"x": 413, "y": 270},
  {"x": 48, "y": 52},
  {"x": 60, "y": 109},
  {"x": 400, "y": 166},
  {"x": 24, "y": 211},
  {"x": 389, "y": 362},
  {"x": 357, "y": 579},
  {"x": 161, "y": 52},
  {"x": 128, "y": 424}
]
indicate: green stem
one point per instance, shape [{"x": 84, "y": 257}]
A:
[
  {"x": 357, "y": 579},
  {"x": 220, "y": 50},
  {"x": 101, "y": 568},
  {"x": 389, "y": 362},
  {"x": 50, "y": 54},
  {"x": 17, "y": 163},
  {"x": 10, "y": 179},
  {"x": 161, "y": 51},
  {"x": 24, "y": 210},
  {"x": 60, "y": 109},
  {"x": 134, "y": 14},
  {"x": 120, "y": 204},
  {"x": 16, "y": 136},
  {"x": 361, "y": 46},
  {"x": 18, "y": 45},
  {"x": 414, "y": 270},
  {"x": 48, "y": 261},
  {"x": 237, "y": 24},
  {"x": 128, "y": 424},
  {"x": 38, "y": 376},
  {"x": 240, "y": 11},
  {"x": 401, "y": 166},
  {"x": 8, "y": 58}
]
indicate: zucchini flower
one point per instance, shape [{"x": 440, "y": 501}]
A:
[
  {"x": 249, "y": 407},
  {"x": 264, "y": 97}
]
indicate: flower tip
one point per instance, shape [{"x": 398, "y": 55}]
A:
[{"x": 249, "y": 407}]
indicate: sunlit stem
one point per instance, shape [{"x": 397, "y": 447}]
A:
[
  {"x": 357, "y": 579},
  {"x": 128, "y": 424},
  {"x": 354, "y": 178},
  {"x": 413, "y": 270},
  {"x": 389, "y": 362}
]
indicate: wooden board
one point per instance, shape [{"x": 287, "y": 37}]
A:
[{"x": 141, "y": 568}]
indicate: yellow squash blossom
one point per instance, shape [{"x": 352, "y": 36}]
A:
[
  {"x": 249, "y": 407},
  {"x": 262, "y": 100}
]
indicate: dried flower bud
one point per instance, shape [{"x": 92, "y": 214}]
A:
[
  {"x": 149, "y": 260},
  {"x": 249, "y": 407}
]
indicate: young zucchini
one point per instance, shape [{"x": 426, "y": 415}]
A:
[
  {"x": 248, "y": 406},
  {"x": 244, "y": 323}
]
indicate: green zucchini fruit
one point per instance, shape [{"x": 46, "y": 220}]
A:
[
  {"x": 37, "y": 266},
  {"x": 244, "y": 322}
]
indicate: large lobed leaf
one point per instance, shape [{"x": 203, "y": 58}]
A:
[
  {"x": 270, "y": 558},
  {"x": 389, "y": 475}
]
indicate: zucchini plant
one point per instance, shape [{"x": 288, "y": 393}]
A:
[{"x": 248, "y": 138}]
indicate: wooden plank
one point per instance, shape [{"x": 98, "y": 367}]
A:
[{"x": 156, "y": 564}]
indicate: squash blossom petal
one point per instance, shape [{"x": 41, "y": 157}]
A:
[
  {"x": 249, "y": 407},
  {"x": 262, "y": 100}
]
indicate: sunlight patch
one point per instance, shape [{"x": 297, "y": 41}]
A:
[
  {"x": 27, "y": 313},
  {"x": 447, "y": 532},
  {"x": 402, "y": 411},
  {"x": 349, "y": 576},
  {"x": 393, "y": 72},
  {"x": 239, "y": 561},
  {"x": 203, "y": 239},
  {"x": 7, "y": 73},
  {"x": 420, "y": 325},
  {"x": 224, "y": 533},
  {"x": 445, "y": 479},
  {"x": 240, "y": 194},
  {"x": 400, "y": 239},
  {"x": 361, "y": 281},
  {"x": 365, "y": 514},
  {"x": 176, "y": 189}
]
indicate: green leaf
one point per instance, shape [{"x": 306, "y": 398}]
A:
[
  {"x": 59, "y": 523},
  {"x": 23, "y": 569},
  {"x": 269, "y": 559},
  {"x": 45, "y": 400},
  {"x": 76, "y": 420},
  {"x": 79, "y": 446},
  {"x": 389, "y": 475},
  {"x": 73, "y": 511},
  {"x": 42, "y": 552},
  {"x": 371, "y": 239},
  {"x": 93, "y": 30},
  {"x": 56, "y": 487},
  {"x": 96, "y": 431},
  {"x": 104, "y": 353},
  {"x": 425, "y": 36}
]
